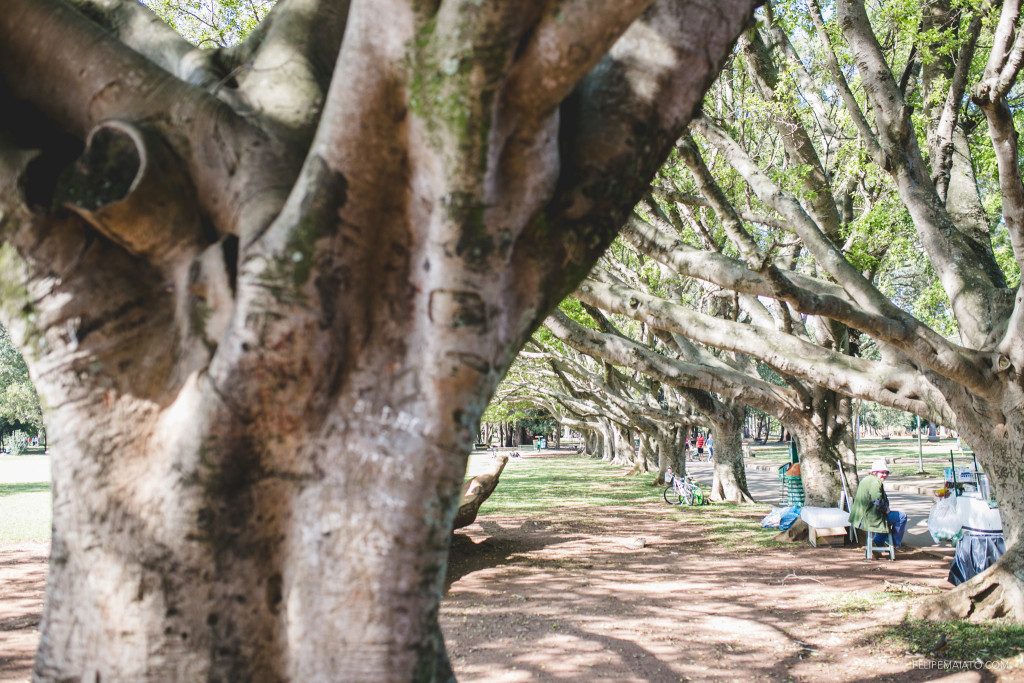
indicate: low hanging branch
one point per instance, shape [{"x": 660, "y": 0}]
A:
[{"x": 476, "y": 491}]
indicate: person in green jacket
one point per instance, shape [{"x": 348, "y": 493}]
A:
[{"x": 870, "y": 510}]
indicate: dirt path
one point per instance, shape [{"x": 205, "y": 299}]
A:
[
  {"x": 22, "y": 575},
  {"x": 629, "y": 594},
  {"x": 632, "y": 595}
]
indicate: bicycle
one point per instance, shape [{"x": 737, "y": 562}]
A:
[{"x": 682, "y": 490}]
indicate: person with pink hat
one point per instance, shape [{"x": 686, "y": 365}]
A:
[{"x": 870, "y": 510}]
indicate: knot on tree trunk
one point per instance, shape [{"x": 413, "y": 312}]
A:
[
  {"x": 131, "y": 187},
  {"x": 993, "y": 594}
]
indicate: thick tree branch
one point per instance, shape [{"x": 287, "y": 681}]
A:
[
  {"x": 718, "y": 268},
  {"x": 570, "y": 38},
  {"x": 657, "y": 70},
  {"x": 139, "y": 28},
  {"x": 808, "y": 89},
  {"x": 727, "y": 214},
  {"x": 852, "y": 106},
  {"x": 1005, "y": 56},
  {"x": 1005, "y": 143},
  {"x": 942, "y": 145},
  {"x": 94, "y": 78},
  {"x": 688, "y": 352},
  {"x": 628, "y": 353},
  {"x": 696, "y": 200},
  {"x": 787, "y": 354},
  {"x": 799, "y": 147},
  {"x": 284, "y": 77},
  {"x": 966, "y": 275}
]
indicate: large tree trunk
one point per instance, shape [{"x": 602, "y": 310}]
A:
[
  {"x": 998, "y": 591},
  {"x": 824, "y": 442},
  {"x": 820, "y": 456},
  {"x": 625, "y": 454},
  {"x": 269, "y": 303},
  {"x": 169, "y": 582},
  {"x": 608, "y": 443},
  {"x": 670, "y": 441},
  {"x": 730, "y": 479}
]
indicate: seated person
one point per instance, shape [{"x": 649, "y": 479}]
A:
[{"x": 870, "y": 510}]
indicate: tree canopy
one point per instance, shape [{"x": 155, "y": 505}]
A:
[
  {"x": 19, "y": 404},
  {"x": 851, "y": 201}
]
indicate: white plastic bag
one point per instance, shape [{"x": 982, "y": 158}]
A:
[
  {"x": 825, "y": 518},
  {"x": 944, "y": 520},
  {"x": 772, "y": 519},
  {"x": 978, "y": 515}
]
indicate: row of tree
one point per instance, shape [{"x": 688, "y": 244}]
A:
[{"x": 842, "y": 223}]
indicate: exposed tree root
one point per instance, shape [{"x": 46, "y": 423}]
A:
[
  {"x": 794, "y": 534},
  {"x": 735, "y": 494},
  {"x": 998, "y": 592}
]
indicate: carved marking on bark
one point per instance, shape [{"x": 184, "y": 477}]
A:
[
  {"x": 456, "y": 309},
  {"x": 470, "y": 359},
  {"x": 274, "y": 593},
  {"x": 388, "y": 418}
]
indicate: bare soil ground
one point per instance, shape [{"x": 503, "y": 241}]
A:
[
  {"x": 22, "y": 575},
  {"x": 632, "y": 594}
]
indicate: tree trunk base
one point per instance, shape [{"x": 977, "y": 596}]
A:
[
  {"x": 736, "y": 495},
  {"x": 794, "y": 534},
  {"x": 998, "y": 592},
  {"x": 729, "y": 484}
]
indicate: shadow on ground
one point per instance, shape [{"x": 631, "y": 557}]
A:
[{"x": 636, "y": 594}]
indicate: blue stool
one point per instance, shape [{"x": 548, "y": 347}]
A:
[{"x": 870, "y": 549}]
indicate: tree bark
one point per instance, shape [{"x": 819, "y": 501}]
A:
[
  {"x": 266, "y": 327},
  {"x": 730, "y": 479},
  {"x": 998, "y": 591},
  {"x": 819, "y": 460},
  {"x": 476, "y": 491}
]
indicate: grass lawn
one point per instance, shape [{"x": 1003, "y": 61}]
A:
[
  {"x": 25, "y": 500},
  {"x": 901, "y": 454},
  {"x": 538, "y": 485},
  {"x": 532, "y": 485}
]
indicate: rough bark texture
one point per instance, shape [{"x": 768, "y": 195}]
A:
[
  {"x": 729, "y": 482},
  {"x": 268, "y": 305}
]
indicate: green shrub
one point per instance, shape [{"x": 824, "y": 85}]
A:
[{"x": 16, "y": 441}]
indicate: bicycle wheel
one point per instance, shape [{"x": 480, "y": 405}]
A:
[
  {"x": 687, "y": 494},
  {"x": 672, "y": 496}
]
